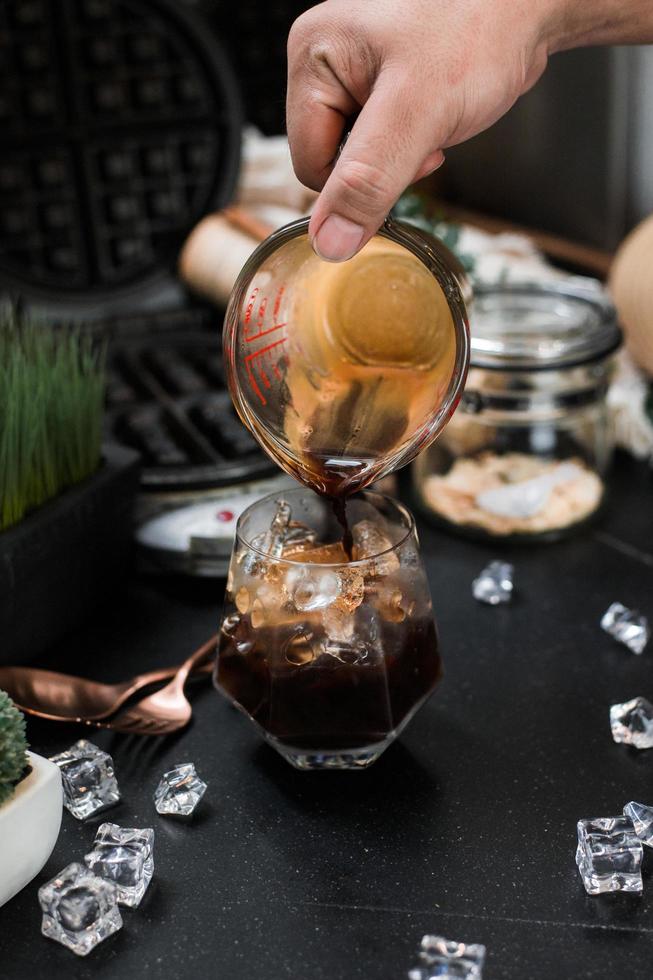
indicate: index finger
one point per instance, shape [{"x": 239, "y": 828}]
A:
[{"x": 317, "y": 109}]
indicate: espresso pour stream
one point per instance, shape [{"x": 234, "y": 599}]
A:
[{"x": 344, "y": 372}]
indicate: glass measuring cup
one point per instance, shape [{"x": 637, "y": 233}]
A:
[{"x": 345, "y": 372}]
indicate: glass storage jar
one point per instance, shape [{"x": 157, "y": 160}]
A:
[{"x": 526, "y": 453}]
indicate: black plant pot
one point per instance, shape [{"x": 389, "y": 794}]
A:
[{"x": 66, "y": 558}]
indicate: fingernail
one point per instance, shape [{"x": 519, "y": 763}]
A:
[
  {"x": 436, "y": 167},
  {"x": 338, "y": 239}
]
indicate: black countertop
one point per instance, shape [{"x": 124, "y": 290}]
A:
[{"x": 466, "y": 827}]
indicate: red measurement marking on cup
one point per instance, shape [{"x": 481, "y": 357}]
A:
[
  {"x": 277, "y": 302},
  {"x": 259, "y": 321},
  {"x": 250, "y": 305},
  {"x": 261, "y": 312},
  {"x": 254, "y": 356},
  {"x": 254, "y": 319},
  {"x": 264, "y": 333}
]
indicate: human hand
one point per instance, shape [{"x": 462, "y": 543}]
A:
[{"x": 421, "y": 75}]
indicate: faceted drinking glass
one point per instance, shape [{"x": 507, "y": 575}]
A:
[{"x": 330, "y": 658}]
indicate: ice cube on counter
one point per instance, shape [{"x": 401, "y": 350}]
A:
[
  {"x": 609, "y": 855},
  {"x": 632, "y": 723},
  {"x": 627, "y": 626},
  {"x": 495, "y": 583},
  {"x": 89, "y": 781},
  {"x": 123, "y": 855},
  {"x": 444, "y": 959},
  {"x": 79, "y": 909},
  {"x": 179, "y": 791},
  {"x": 641, "y": 817}
]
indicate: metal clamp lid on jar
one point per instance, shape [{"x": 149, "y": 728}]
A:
[
  {"x": 541, "y": 327},
  {"x": 539, "y": 350}
]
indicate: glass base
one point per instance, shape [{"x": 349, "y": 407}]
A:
[{"x": 312, "y": 759}]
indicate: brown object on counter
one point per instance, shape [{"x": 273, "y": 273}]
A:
[
  {"x": 587, "y": 259},
  {"x": 63, "y": 697},
  {"x": 216, "y": 250},
  {"x": 168, "y": 709},
  {"x": 631, "y": 284},
  {"x": 242, "y": 219}
]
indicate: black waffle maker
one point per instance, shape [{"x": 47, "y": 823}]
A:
[{"x": 121, "y": 126}]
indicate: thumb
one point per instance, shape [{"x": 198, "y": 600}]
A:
[{"x": 389, "y": 145}]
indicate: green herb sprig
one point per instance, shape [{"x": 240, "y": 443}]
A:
[
  {"x": 51, "y": 398},
  {"x": 418, "y": 211}
]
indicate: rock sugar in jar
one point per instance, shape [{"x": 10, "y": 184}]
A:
[{"x": 525, "y": 455}]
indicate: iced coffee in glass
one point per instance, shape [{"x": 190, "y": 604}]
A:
[{"x": 328, "y": 655}]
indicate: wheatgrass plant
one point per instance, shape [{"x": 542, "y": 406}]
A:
[{"x": 51, "y": 398}]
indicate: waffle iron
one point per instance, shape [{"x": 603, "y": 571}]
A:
[
  {"x": 121, "y": 128},
  {"x": 121, "y": 124}
]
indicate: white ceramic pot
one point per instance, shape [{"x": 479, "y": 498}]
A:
[{"x": 29, "y": 826}]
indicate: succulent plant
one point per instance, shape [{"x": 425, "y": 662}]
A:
[{"x": 13, "y": 746}]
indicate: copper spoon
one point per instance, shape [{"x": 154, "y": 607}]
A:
[
  {"x": 64, "y": 697},
  {"x": 166, "y": 710}
]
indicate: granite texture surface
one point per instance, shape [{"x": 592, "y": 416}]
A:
[{"x": 466, "y": 827}]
